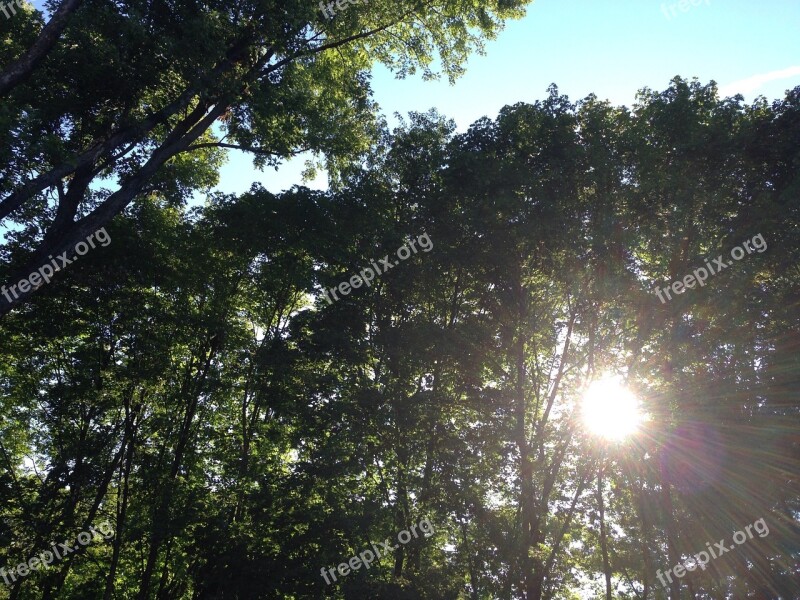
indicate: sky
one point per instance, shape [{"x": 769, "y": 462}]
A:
[{"x": 611, "y": 48}]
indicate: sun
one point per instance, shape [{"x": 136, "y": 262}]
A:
[{"x": 610, "y": 410}]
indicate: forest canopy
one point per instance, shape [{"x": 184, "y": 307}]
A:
[{"x": 240, "y": 433}]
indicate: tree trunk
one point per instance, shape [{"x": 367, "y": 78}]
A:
[
  {"x": 668, "y": 515},
  {"x": 123, "y": 511},
  {"x": 161, "y": 519},
  {"x": 603, "y": 534}
]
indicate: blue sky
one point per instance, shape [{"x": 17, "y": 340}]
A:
[{"x": 609, "y": 47}]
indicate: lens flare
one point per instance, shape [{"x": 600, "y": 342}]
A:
[{"x": 610, "y": 410}]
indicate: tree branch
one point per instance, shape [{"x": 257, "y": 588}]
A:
[{"x": 22, "y": 68}]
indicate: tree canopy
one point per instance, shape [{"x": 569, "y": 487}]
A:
[
  {"x": 114, "y": 101},
  {"x": 190, "y": 384}
]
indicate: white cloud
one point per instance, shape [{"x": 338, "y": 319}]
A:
[{"x": 751, "y": 84}]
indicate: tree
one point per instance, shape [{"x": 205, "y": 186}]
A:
[
  {"x": 193, "y": 385},
  {"x": 130, "y": 93}
]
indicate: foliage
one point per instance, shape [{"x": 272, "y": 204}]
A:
[{"x": 190, "y": 384}]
